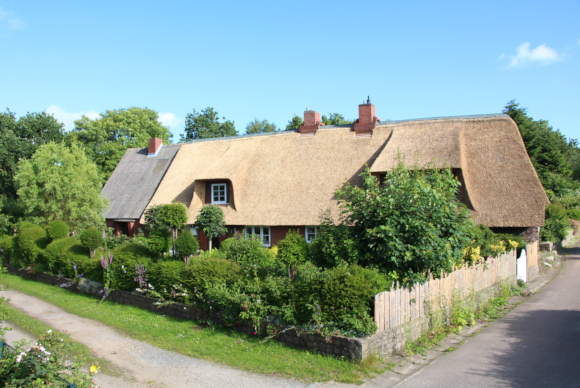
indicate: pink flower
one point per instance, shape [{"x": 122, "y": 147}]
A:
[{"x": 255, "y": 333}]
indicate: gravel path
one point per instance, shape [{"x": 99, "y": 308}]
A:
[{"x": 144, "y": 365}]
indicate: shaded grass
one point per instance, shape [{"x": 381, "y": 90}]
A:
[
  {"x": 36, "y": 328},
  {"x": 192, "y": 339}
]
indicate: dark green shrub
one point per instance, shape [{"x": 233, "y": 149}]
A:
[
  {"x": 159, "y": 241},
  {"x": 163, "y": 275},
  {"x": 7, "y": 244},
  {"x": 484, "y": 238},
  {"x": 92, "y": 238},
  {"x": 113, "y": 241},
  {"x": 60, "y": 255},
  {"x": 24, "y": 225},
  {"x": 340, "y": 298},
  {"x": 334, "y": 245},
  {"x": 57, "y": 229},
  {"x": 556, "y": 225},
  {"x": 186, "y": 245},
  {"x": 201, "y": 272},
  {"x": 573, "y": 214},
  {"x": 123, "y": 267},
  {"x": 211, "y": 222},
  {"x": 247, "y": 251},
  {"x": 31, "y": 243},
  {"x": 292, "y": 252}
]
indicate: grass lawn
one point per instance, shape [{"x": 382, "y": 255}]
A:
[{"x": 191, "y": 339}]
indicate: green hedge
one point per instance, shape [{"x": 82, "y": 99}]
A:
[
  {"x": 163, "y": 275},
  {"x": 123, "y": 267},
  {"x": 201, "y": 272},
  {"x": 60, "y": 255},
  {"x": 57, "y": 229},
  {"x": 7, "y": 244},
  {"x": 339, "y": 297},
  {"x": 31, "y": 244}
]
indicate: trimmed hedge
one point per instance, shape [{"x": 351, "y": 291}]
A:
[
  {"x": 57, "y": 229},
  {"x": 201, "y": 272},
  {"x": 7, "y": 244},
  {"x": 186, "y": 245},
  {"x": 123, "y": 267},
  {"x": 60, "y": 255},
  {"x": 31, "y": 243},
  {"x": 92, "y": 238},
  {"x": 163, "y": 275}
]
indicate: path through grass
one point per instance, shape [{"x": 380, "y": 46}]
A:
[{"x": 210, "y": 343}]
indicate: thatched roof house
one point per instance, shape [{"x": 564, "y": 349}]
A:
[
  {"x": 273, "y": 182},
  {"x": 133, "y": 183}
]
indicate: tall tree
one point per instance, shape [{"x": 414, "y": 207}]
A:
[
  {"x": 60, "y": 183},
  {"x": 206, "y": 124},
  {"x": 260, "y": 126},
  {"x": 553, "y": 156},
  {"x": 106, "y": 139},
  {"x": 335, "y": 119},
  {"x": 19, "y": 139},
  {"x": 294, "y": 123}
]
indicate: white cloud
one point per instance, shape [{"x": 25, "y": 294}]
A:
[
  {"x": 542, "y": 54},
  {"x": 68, "y": 118},
  {"x": 10, "y": 20},
  {"x": 169, "y": 120}
]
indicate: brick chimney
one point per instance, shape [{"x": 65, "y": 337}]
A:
[
  {"x": 155, "y": 145},
  {"x": 366, "y": 118},
  {"x": 311, "y": 122}
]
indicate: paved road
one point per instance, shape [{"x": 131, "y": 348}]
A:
[{"x": 536, "y": 345}]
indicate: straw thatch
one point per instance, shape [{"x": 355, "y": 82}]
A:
[
  {"x": 134, "y": 181},
  {"x": 502, "y": 184},
  {"x": 288, "y": 179}
]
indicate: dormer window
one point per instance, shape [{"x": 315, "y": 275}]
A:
[{"x": 219, "y": 193}]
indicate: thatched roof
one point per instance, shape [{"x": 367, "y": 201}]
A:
[
  {"x": 134, "y": 181},
  {"x": 287, "y": 179},
  {"x": 501, "y": 182}
]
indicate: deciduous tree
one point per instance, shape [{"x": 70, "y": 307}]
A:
[
  {"x": 260, "y": 126},
  {"x": 107, "y": 138},
  {"x": 211, "y": 222},
  {"x": 60, "y": 183},
  {"x": 206, "y": 124}
]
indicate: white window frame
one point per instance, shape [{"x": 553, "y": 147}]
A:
[
  {"x": 262, "y": 234},
  {"x": 215, "y": 186},
  {"x": 307, "y": 236}
]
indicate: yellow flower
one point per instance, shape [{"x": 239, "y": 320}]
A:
[
  {"x": 94, "y": 369},
  {"x": 513, "y": 244}
]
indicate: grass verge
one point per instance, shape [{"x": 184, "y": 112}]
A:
[
  {"x": 36, "y": 328},
  {"x": 191, "y": 339}
]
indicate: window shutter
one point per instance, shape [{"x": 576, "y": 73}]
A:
[{"x": 207, "y": 192}]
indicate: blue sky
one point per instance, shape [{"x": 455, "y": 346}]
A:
[{"x": 270, "y": 60}]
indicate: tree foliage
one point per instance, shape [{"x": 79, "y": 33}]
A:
[
  {"x": 335, "y": 119},
  {"x": 206, "y": 124},
  {"x": 294, "y": 123},
  {"x": 411, "y": 225},
  {"x": 556, "y": 159},
  {"x": 211, "y": 222},
  {"x": 60, "y": 183},
  {"x": 186, "y": 245},
  {"x": 292, "y": 252},
  {"x": 19, "y": 139},
  {"x": 174, "y": 216},
  {"x": 260, "y": 126},
  {"x": 57, "y": 229},
  {"x": 107, "y": 138}
]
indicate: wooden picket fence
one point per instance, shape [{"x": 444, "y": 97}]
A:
[{"x": 402, "y": 305}]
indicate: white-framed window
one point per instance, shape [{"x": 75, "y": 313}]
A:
[
  {"x": 219, "y": 193},
  {"x": 262, "y": 231},
  {"x": 193, "y": 230},
  {"x": 310, "y": 233}
]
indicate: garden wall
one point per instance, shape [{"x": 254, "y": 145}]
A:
[{"x": 401, "y": 314}]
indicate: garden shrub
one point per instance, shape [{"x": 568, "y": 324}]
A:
[
  {"x": 489, "y": 243},
  {"x": 335, "y": 245},
  {"x": 7, "y": 245},
  {"x": 164, "y": 275},
  {"x": 159, "y": 241},
  {"x": 556, "y": 224},
  {"x": 573, "y": 214},
  {"x": 186, "y": 245},
  {"x": 31, "y": 243},
  {"x": 60, "y": 255},
  {"x": 292, "y": 252},
  {"x": 24, "y": 225},
  {"x": 340, "y": 298},
  {"x": 213, "y": 254},
  {"x": 57, "y": 229},
  {"x": 92, "y": 238},
  {"x": 123, "y": 267},
  {"x": 247, "y": 251},
  {"x": 200, "y": 272},
  {"x": 113, "y": 241}
]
